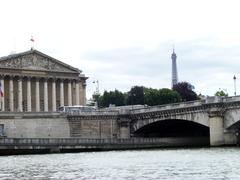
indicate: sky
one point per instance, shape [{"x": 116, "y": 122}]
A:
[{"x": 123, "y": 43}]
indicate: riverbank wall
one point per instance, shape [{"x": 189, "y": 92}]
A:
[
  {"x": 57, "y": 125},
  {"x": 56, "y": 145}
]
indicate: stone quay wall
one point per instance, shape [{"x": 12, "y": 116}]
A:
[
  {"x": 34, "y": 125},
  {"x": 57, "y": 125},
  {"x": 55, "y": 145}
]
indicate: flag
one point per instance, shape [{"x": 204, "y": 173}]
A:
[
  {"x": 32, "y": 39},
  {"x": 1, "y": 90}
]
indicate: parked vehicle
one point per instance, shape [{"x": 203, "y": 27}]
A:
[{"x": 72, "y": 109}]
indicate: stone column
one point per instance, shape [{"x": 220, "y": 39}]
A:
[
  {"x": 81, "y": 92},
  {"x": 20, "y": 95},
  {"x": 11, "y": 97},
  {"x": 77, "y": 93},
  {"x": 84, "y": 93},
  {"x": 3, "y": 97},
  {"x": 29, "y": 95},
  {"x": 54, "y": 95},
  {"x": 216, "y": 130},
  {"x": 61, "y": 93},
  {"x": 37, "y": 95},
  {"x": 46, "y": 95},
  {"x": 69, "y": 93}
]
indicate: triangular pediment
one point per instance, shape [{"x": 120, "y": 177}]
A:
[{"x": 35, "y": 60}]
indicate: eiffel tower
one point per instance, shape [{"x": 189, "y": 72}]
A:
[{"x": 174, "y": 69}]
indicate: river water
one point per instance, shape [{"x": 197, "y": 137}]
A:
[{"x": 173, "y": 164}]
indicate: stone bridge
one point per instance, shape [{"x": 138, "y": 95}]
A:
[
  {"x": 217, "y": 118},
  {"x": 214, "y": 121}
]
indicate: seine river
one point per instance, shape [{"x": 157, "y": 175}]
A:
[{"x": 184, "y": 164}]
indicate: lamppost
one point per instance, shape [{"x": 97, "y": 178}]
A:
[
  {"x": 234, "y": 80},
  {"x": 96, "y": 93},
  {"x": 97, "y": 86}
]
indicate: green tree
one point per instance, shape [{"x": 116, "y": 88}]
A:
[
  {"x": 150, "y": 96},
  {"x": 136, "y": 95},
  {"x": 221, "y": 93},
  {"x": 185, "y": 90},
  {"x": 112, "y": 97},
  {"x": 160, "y": 96}
]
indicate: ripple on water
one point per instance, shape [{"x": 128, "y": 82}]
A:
[{"x": 179, "y": 164}]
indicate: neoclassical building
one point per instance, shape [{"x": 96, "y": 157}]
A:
[{"x": 33, "y": 82}]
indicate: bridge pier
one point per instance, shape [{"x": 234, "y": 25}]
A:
[
  {"x": 216, "y": 130},
  {"x": 124, "y": 127},
  {"x": 124, "y": 132}
]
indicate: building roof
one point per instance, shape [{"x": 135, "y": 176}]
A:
[{"x": 4, "y": 64}]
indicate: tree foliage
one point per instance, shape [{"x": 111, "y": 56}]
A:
[
  {"x": 141, "y": 95},
  {"x": 160, "y": 96},
  {"x": 221, "y": 93},
  {"x": 185, "y": 90},
  {"x": 112, "y": 97},
  {"x": 136, "y": 95}
]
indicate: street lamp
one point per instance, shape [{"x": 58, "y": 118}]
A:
[
  {"x": 97, "y": 86},
  {"x": 234, "y": 80},
  {"x": 96, "y": 93}
]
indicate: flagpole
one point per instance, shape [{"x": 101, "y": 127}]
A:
[{"x": 32, "y": 45}]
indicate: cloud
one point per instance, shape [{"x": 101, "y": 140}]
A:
[
  {"x": 125, "y": 43},
  {"x": 207, "y": 66}
]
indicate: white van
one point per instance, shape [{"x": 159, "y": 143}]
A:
[{"x": 70, "y": 109}]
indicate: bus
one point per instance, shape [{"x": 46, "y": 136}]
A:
[{"x": 77, "y": 109}]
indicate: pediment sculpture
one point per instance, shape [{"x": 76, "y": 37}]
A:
[{"x": 35, "y": 61}]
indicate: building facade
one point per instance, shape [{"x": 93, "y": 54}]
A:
[{"x": 35, "y": 82}]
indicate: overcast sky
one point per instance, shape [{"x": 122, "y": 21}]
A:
[{"x": 129, "y": 42}]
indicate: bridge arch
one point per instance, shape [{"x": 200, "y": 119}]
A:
[
  {"x": 172, "y": 128},
  {"x": 235, "y": 127},
  {"x": 232, "y": 118},
  {"x": 197, "y": 117}
]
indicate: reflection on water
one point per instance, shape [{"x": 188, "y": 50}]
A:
[{"x": 184, "y": 164}]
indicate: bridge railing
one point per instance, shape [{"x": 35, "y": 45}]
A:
[
  {"x": 219, "y": 99},
  {"x": 169, "y": 106},
  {"x": 207, "y": 100},
  {"x": 231, "y": 99}
]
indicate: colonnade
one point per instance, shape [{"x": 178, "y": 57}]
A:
[{"x": 67, "y": 91}]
